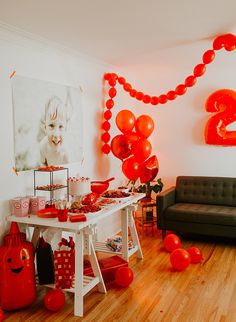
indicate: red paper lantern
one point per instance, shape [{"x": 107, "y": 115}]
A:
[
  {"x": 199, "y": 70},
  {"x": 54, "y": 300},
  {"x": 144, "y": 126},
  {"x": 172, "y": 242},
  {"x": 208, "y": 56},
  {"x": 124, "y": 276},
  {"x": 125, "y": 121},
  {"x": 130, "y": 168},
  {"x": 180, "y": 259}
]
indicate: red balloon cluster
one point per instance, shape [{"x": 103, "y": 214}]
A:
[
  {"x": 179, "y": 257},
  {"x": 133, "y": 147},
  {"x": 226, "y": 41}
]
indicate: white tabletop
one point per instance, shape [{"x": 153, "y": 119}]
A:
[{"x": 92, "y": 218}]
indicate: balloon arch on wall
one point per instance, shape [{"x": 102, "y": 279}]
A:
[{"x": 133, "y": 147}]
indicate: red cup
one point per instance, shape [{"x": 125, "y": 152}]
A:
[{"x": 62, "y": 214}]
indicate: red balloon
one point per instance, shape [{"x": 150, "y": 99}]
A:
[
  {"x": 127, "y": 87},
  {"x": 132, "y": 137},
  {"x": 125, "y": 121},
  {"x": 172, "y": 242},
  {"x": 114, "y": 76},
  {"x": 54, "y": 300},
  {"x": 121, "y": 80},
  {"x": 218, "y": 43},
  {"x": 181, "y": 89},
  {"x": 121, "y": 147},
  {"x": 139, "y": 96},
  {"x": 229, "y": 41},
  {"x": 107, "y": 115},
  {"x": 112, "y": 82},
  {"x": 180, "y": 259},
  {"x": 190, "y": 81},
  {"x": 107, "y": 76},
  {"x": 146, "y": 99},
  {"x": 162, "y": 99},
  {"x": 133, "y": 92},
  {"x": 106, "y": 148},
  {"x": 124, "y": 276},
  {"x": 106, "y": 137},
  {"x": 199, "y": 70},
  {"x": 141, "y": 149},
  {"x": 208, "y": 56},
  {"x": 144, "y": 126},
  {"x": 109, "y": 103},
  {"x": 154, "y": 100},
  {"x": 195, "y": 254},
  {"x": 149, "y": 169},
  {"x": 130, "y": 168},
  {"x": 171, "y": 95},
  {"x": 106, "y": 126},
  {"x": 112, "y": 92}
]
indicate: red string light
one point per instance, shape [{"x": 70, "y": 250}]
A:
[{"x": 227, "y": 41}]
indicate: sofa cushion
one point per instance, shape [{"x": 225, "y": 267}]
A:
[
  {"x": 201, "y": 213},
  {"x": 206, "y": 190}
]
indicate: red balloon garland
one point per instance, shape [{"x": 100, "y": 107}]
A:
[{"x": 226, "y": 41}]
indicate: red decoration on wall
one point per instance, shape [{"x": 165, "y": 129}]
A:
[
  {"x": 223, "y": 103},
  {"x": 226, "y": 41}
]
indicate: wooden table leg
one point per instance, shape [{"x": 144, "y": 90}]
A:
[{"x": 79, "y": 268}]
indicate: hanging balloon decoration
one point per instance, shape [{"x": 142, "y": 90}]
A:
[{"x": 226, "y": 41}]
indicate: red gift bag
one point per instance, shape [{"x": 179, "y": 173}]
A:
[{"x": 64, "y": 264}]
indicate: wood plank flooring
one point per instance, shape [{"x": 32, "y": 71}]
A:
[{"x": 204, "y": 292}]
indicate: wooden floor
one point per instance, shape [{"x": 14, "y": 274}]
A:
[{"x": 204, "y": 292}]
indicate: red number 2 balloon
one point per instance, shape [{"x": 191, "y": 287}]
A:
[{"x": 223, "y": 102}]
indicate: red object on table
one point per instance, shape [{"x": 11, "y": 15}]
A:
[
  {"x": 77, "y": 218},
  {"x": 17, "y": 274},
  {"x": 62, "y": 214},
  {"x": 108, "y": 267},
  {"x": 100, "y": 186}
]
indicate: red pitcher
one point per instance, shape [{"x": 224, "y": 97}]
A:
[{"x": 17, "y": 273}]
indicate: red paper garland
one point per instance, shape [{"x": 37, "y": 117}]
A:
[{"x": 226, "y": 41}]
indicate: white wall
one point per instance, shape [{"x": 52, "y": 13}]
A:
[
  {"x": 37, "y": 59},
  {"x": 178, "y": 138}
]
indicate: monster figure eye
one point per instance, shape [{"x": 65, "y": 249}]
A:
[
  {"x": 9, "y": 260},
  {"x": 23, "y": 257}
]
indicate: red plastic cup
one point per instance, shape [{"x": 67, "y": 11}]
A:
[{"x": 62, "y": 214}]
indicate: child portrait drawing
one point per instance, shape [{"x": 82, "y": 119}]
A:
[{"x": 47, "y": 125}]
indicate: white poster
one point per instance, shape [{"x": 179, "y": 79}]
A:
[{"x": 47, "y": 123}]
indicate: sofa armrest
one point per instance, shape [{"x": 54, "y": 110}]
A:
[{"x": 164, "y": 200}]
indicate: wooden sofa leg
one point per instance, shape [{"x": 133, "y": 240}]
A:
[{"x": 163, "y": 233}]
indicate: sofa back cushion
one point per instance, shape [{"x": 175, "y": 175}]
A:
[{"x": 206, "y": 190}]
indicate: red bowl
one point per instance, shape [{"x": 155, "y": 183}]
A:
[{"x": 99, "y": 187}]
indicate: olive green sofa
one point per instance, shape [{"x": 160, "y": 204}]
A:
[{"x": 199, "y": 205}]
